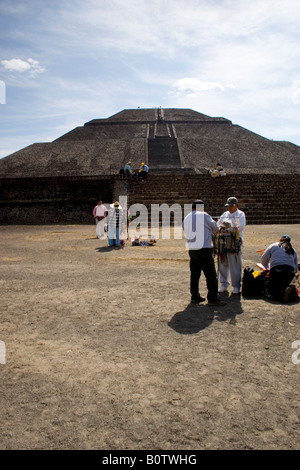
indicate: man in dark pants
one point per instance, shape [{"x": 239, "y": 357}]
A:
[{"x": 198, "y": 227}]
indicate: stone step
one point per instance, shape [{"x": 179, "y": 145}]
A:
[{"x": 163, "y": 152}]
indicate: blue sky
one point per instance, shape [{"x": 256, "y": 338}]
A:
[{"x": 63, "y": 63}]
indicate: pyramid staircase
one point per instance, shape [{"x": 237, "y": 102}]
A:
[{"x": 163, "y": 151}]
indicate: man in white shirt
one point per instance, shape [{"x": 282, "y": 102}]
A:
[
  {"x": 99, "y": 213},
  {"x": 198, "y": 227},
  {"x": 231, "y": 265}
]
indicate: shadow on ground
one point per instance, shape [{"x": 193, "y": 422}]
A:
[{"x": 195, "y": 318}]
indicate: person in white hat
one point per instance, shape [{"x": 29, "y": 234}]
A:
[
  {"x": 230, "y": 266},
  {"x": 115, "y": 219}
]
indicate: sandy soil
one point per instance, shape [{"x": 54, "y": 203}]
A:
[{"x": 104, "y": 350}]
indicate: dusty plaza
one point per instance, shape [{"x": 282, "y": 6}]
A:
[{"x": 103, "y": 349}]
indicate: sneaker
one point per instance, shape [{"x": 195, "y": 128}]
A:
[
  {"x": 286, "y": 295},
  {"x": 197, "y": 300},
  {"x": 236, "y": 290},
  {"x": 222, "y": 289},
  {"x": 216, "y": 302}
]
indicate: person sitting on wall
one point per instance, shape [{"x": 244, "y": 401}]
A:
[
  {"x": 220, "y": 169},
  {"x": 127, "y": 169},
  {"x": 143, "y": 171},
  {"x": 217, "y": 171}
]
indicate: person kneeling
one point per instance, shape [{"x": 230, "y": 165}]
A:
[{"x": 282, "y": 260}]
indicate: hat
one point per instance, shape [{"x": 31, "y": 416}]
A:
[
  {"x": 231, "y": 201},
  {"x": 286, "y": 238},
  {"x": 197, "y": 203},
  {"x": 115, "y": 205}
]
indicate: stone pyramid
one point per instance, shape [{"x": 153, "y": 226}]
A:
[{"x": 167, "y": 139}]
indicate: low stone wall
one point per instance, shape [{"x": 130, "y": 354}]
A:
[
  {"x": 266, "y": 199},
  {"x": 52, "y": 200}
]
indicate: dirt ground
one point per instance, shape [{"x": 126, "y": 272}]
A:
[{"x": 103, "y": 349}]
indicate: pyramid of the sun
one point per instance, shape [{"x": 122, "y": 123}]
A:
[
  {"x": 61, "y": 181},
  {"x": 167, "y": 139}
]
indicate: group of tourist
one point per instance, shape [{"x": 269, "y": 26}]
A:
[
  {"x": 279, "y": 259},
  {"x": 141, "y": 173},
  {"x": 202, "y": 234},
  {"x": 199, "y": 227}
]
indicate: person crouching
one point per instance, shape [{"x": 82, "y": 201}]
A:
[{"x": 282, "y": 260}]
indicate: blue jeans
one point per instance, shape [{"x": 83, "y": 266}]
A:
[{"x": 113, "y": 231}]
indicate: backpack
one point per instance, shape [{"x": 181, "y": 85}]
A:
[{"x": 253, "y": 285}]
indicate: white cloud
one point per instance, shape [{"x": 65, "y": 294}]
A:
[
  {"x": 168, "y": 26},
  {"x": 239, "y": 60},
  {"x": 15, "y": 65},
  {"x": 192, "y": 87},
  {"x": 19, "y": 65}
]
